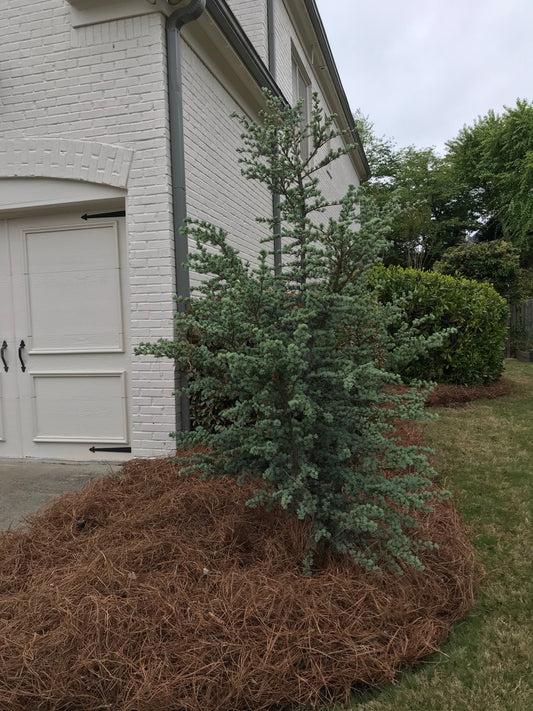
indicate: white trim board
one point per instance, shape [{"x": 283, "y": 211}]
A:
[{"x": 20, "y": 193}]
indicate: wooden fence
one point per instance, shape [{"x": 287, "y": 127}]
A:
[{"x": 520, "y": 327}]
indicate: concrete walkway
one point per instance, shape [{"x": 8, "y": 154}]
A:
[{"x": 25, "y": 486}]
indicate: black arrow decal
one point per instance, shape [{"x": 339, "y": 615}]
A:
[
  {"x": 109, "y": 449},
  {"x": 118, "y": 213}
]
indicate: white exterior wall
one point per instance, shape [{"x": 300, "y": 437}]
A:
[
  {"x": 216, "y": 190},
  {"x": 90, "y": 103},
  {"x": 104, "y": 84},
  {"x": 252, "y": 16},
  {"x": 342, "y": 173}
]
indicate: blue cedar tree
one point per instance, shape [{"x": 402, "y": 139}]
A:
[{"x": 295, "y": 359}]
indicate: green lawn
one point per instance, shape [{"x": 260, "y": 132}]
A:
[{"x": 484, "y": 454}]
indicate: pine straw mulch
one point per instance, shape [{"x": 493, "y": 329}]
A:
[
  {"x": 147, "y": 591},
  {"x": 456, "y": 395}
]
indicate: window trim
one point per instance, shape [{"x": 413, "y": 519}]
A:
[{"x": 301, "y": 90}]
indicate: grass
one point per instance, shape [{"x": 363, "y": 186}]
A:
[{"x": 484, "y": 455}]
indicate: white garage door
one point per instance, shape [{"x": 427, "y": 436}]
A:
[{"x": 63, "y": 338}]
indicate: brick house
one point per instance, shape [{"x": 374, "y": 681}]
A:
[{"x": 119, "y": 111}]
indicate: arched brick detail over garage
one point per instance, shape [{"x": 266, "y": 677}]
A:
[{"x": 87, "y": 161}]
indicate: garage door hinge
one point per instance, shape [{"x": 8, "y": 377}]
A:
[
  {"x": 109, "y": 449},
  {"x": 118, "y": 213}
]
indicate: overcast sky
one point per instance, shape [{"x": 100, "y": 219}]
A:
[{"x": 422, "y": 69}]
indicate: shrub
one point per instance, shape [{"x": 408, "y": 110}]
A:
[
  {"x": 495, "y": 262},
  {"x": 472, "y": 314},
  {"x": 526, "y": 284},
  {"x": 295, "y": 358}
]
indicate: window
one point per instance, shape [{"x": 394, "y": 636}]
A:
[{"x": 301, "y": 90}]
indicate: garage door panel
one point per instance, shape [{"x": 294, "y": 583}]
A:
[
  {"x": 68, "y": 247},
  {"x": 6, "y": 305},
  {"x": 79, "y": 407},
  {"x": 2, "y": 406},
  {"x": 9, "y": 445},
  {"x": 65, "y": 294},
  {"x": 73, "y": 284}
]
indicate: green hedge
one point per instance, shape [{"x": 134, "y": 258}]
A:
[{"x": 470, "y": 355}]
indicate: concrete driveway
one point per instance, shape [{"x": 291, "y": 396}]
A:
[{"x": 25, "y": 486}]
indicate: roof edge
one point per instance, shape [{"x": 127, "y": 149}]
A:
[
  {"x": 241, "y": 44},
  {"x": 239, "y": 41},
  {"x": 318, "y": 26}
]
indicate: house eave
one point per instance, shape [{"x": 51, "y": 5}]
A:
[
  {"x": 335, "y": 91},
  {"x": 242, "y": 46},
  {"x": 306, "y": 16}
]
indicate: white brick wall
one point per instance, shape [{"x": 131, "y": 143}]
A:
[
  {"x": 216, "y": 190},
  {"x": 341, "y": 174},
  {"x": 252, "y": 16},
  {"x": 103, "y": 84},
  {"x": 66, "y": 159},
  {"x": 91, "y": 103}
]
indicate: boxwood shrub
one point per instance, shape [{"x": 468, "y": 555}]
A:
[{"x": 473, "y": 352}]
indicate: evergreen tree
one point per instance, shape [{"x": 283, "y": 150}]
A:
[{"x": 298, "y": 358}]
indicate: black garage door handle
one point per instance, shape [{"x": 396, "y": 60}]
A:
[
  {"x": 22, "y": 365},
  {"x": 2, "y": 349}
]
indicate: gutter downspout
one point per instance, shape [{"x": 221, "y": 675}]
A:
[
  {"x": 276, "y": 214},
  {"x": 271, "y": 38},
  {"x": 175, "y": 22}
]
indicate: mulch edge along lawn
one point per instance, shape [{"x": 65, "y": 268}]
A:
[{"x": 483, "y": 453}]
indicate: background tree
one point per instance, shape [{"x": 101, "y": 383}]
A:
[
  {"x": 492, "y": 162},
  {"x": 433, "y": 217}
]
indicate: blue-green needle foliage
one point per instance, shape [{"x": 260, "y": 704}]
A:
[{"x": 296, "y": 360}]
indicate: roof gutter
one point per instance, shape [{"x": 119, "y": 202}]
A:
[
  {"x": 239, "y": 41},
  {"x": 276, "y": 212},
  {"x": 325, "y": 48},
  {"x": 271, "y": 30},
  {"x": 175, "y": 22}
]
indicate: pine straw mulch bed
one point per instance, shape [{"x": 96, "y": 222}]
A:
[
  {"x": 456, "y": 395},
  {"x": 147, "y": 591}
]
